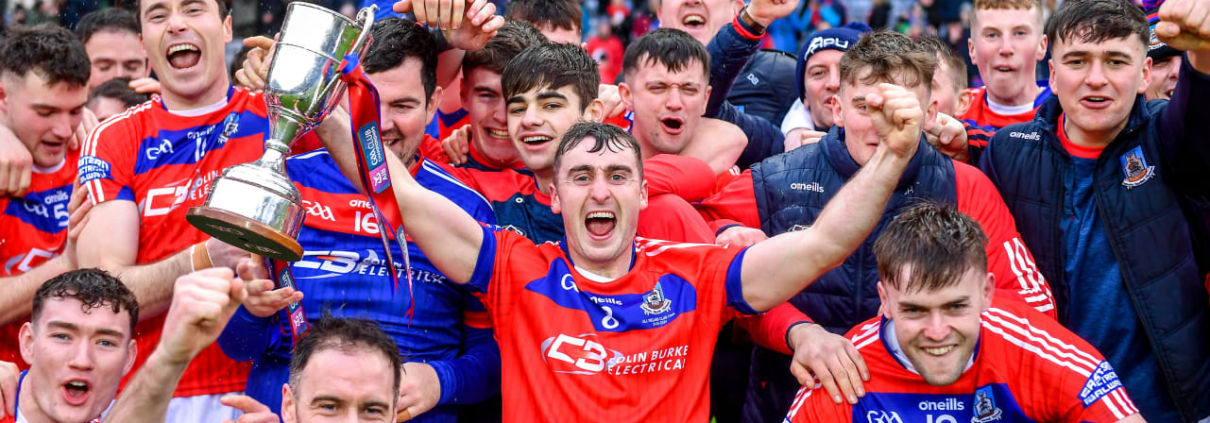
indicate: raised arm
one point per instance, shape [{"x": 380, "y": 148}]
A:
[
  {"x": 201, "y": 306},
  {"x": 718, "y": 144},
  {"x": 784, "y": 265}
]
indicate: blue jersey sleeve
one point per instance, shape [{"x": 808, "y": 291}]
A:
[
  {"x": 475, "y": 375},
  {"x": 486, "y": 263},
  {"x": 735, "y": 285},
  {"x": 247, "y": 337}
]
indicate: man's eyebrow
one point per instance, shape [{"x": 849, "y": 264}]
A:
[
  {"x": 580, "y": 168},
  {"x": 546, "y": 95},
  {"x": 618, "y": 168}
]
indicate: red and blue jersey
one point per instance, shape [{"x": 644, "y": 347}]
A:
[
  {"x": 164, "y": 162},
  {"x": 33, "y": 229},
  {"x": 1026, "y": 368},
  {"x": 343, "y": 272},
  {"x": 637, "y": 348},
  {"x": 983, "y": 121}
]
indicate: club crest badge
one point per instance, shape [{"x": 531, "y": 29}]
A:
[
  {"x": 655, "y": 302},
  {"x": 1134, "y": 165},
  {"x": 985, "y": 406}
]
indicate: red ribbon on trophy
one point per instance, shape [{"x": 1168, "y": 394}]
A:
[{"x": 372, "y": 163}]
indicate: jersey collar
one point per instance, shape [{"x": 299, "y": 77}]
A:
[{"x": 566, "y": 253}]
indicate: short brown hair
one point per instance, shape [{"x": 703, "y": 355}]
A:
[
  {"x": 1094, "y": 21},
  {"x": 947, "y": 55},
  {"x": 1006, "y": 5},
  {"x": 936, "y": 241},
  {"x": 890, "y": 57}
]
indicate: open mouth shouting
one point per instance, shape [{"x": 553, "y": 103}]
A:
[
  {"x": 183, "y": 56},
  {"x": 672, "y": 125},
  {"x": 693, "y": 21},
  {"x": 75, "y": 392},
  {"x": 600, "y": 224}
]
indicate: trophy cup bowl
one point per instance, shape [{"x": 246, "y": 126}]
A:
[{"x": 254, "y": 206}]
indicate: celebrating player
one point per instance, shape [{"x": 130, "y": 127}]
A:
[
  {"x": 943, "y": 350},
  {"x": 611, "y": 326},
  {"x": 43, "y": 88},
  {"x": 79, "y": 344}
]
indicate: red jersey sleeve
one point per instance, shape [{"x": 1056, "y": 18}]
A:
[
  {"x": 686, "y": 177},
  {"x": 771, "y": 328},
  {"x": 107, "y": 161},
  {"x": 736, "y": 201},
  {"x": 1007, "y": 257},
  {"x": 808, "y": 408}
]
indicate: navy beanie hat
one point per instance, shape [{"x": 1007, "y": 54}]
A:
[
  {"x": 1156, "y": 49},
  {"x": 839, "y": 38}
]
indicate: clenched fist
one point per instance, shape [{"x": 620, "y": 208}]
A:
[{"x": 897, "y": 118}]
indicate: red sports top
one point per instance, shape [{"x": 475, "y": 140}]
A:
[
  {"x": 165, "y": 162},
  {"x": 33, "y": 230},
  {"x": 637, "y": 348},
  {"x": 1026, "y": 368}
]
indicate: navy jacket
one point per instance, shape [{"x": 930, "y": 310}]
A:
[
  {"x": 791, "y": 190},
  {"x": 1147, "y": 179},
  {"x": 768, "y": 84}
]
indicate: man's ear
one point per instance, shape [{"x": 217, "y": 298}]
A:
[
  {"x": 1051, "y": 80},
  {"x": 882, "y": 297},
  {"x": 3, "y": 96},
  {"x": 963, "y": 102},
  {"x": 736, "y": 6},
  {"x": 643, "y": 196},
  {"x": 1042, "y": 44},
  {"x": 287, "y": 404},
  {"x": 989, "y": 291},
  {"x": 970, "y": 48},
  {"x": 930, "y": 112},
  {"x": 554, "y": 196},
  {"x": 430, "y": 109},
  {"x": 595, "y": 111},
  {"x": 1146, "y": 75},
  {"x": 227, "y": 34},
  {"x": 132, "y": 351},
  {"x": 837, "y": 116},
  {"x": 627, "y": 96},
  {"x": 25, "y": 341}
]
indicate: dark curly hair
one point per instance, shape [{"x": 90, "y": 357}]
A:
[
  {"x": 51, "y": 51},
  {"x": 96, "y": 288},
  {"x": 553, "y": 66}
]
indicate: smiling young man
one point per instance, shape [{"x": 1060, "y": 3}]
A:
[
  {"x": 111, "y": 37},
  {"x": 614, "y": 327},
  {"x": 451, "y": 356},
  {"x": 43, "y": 87},
  {"x": 784, "y": 194},
  {"x": 944, "y": 350},
  {"x": 1097, "y": 182},
  {"x": 79, "y": 345},
  {"x": 490, "y": 147},
  {"x": 1006, "y": 43},
  {"x": 146, "y": 167}
]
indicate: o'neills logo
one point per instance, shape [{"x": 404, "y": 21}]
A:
[
  {"x": 950, "y": 404},
  {"x": 1030, "y": 136}
]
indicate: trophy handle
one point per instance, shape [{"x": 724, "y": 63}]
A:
[{"x": 366, "y": 18}]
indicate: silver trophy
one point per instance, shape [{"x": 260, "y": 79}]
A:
[{"x": 254, "y": 206}]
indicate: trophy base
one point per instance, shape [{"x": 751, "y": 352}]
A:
[{"x": 244, "y": 233}]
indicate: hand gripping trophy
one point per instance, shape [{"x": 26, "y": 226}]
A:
[{"x": 254, "y": 206}]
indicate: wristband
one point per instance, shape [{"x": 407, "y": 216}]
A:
[
  {"x": 748, "y": 27},
  {"x": 199, "y": 259}
]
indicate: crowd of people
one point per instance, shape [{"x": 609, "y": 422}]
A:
[{"x": 715, "y": 233}]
